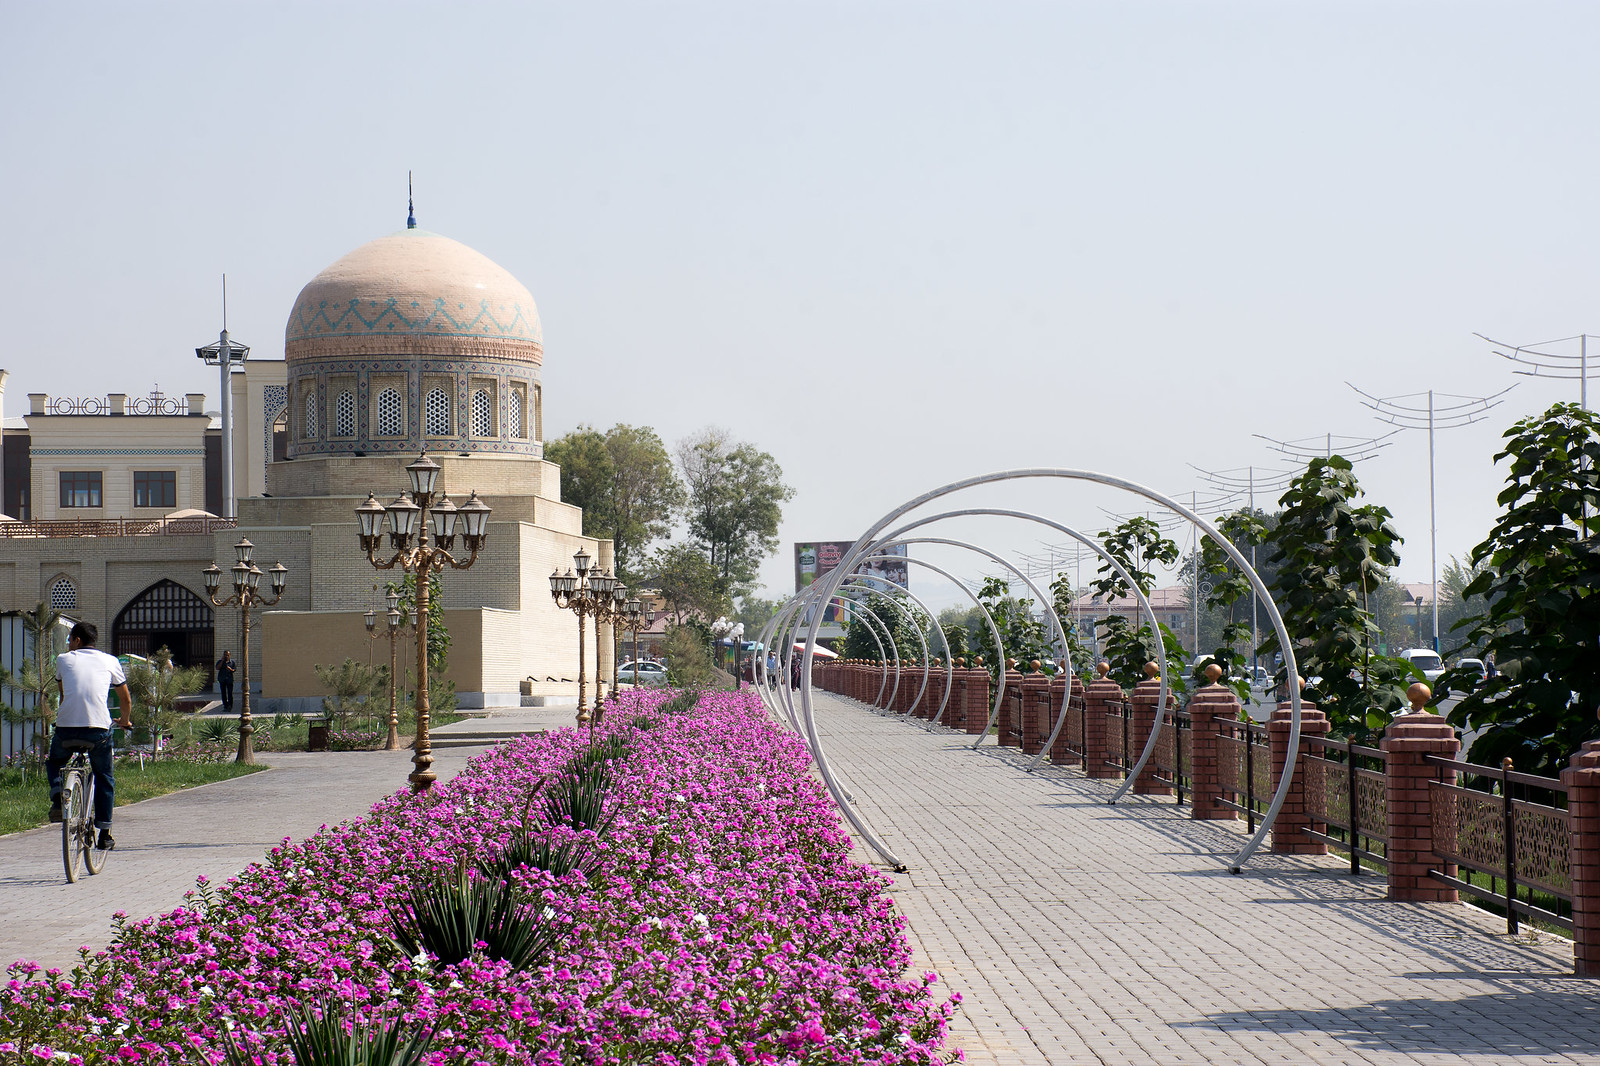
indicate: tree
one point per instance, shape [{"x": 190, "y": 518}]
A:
[
  {"x": 351, "y": 687},
  {"x": 438, "y": 632},
  {"x": 624, "y": 481},
  {"x": 689, "y": 584},
  {"x": 1331, "y": 555},
  {"x": 687, "y": 650},
  {"x": 755, "y": 612},
  {"x": 1537, "y": 576},
  {"x": 1137, "y": 544},
  {"x": 735, "y": 500},
  {"x": 1062, "y": 597},
  {"x": 1224, "y": 584},
  {"x": 1022, "y": 635},
  {"x": 156, "y": 686},
  {"x": 38, "y": 673}
]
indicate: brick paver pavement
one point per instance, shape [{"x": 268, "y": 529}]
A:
[
  {"x": 1082, "y": 933},
  {"x": 163, "y": 844}
]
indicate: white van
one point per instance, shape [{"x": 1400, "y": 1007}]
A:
[{"x": 1425, "y": 659}]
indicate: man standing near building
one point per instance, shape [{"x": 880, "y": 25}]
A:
[
  {"x": 85, "y": 675},
  {"x": 225, "y": 679}
]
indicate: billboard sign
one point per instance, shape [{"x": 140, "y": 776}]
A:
[{"x": 813, "y": 560}]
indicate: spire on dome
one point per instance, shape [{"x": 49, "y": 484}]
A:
[{"x": 411, "y": 205}]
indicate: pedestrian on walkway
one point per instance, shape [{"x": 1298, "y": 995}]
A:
[
  {"x": 225, "y": 679},
  {"x": 84, "y": 677}
]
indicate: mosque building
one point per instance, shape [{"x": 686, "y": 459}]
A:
[{"x": 412, "y": 342}]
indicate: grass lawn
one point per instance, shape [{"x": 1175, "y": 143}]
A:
[{"x": 25, "y": 795}]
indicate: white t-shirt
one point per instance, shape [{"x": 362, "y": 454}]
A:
[{"x": 87, "y": 675}]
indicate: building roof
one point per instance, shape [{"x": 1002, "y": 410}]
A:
[{"x": 414, "y": 284}]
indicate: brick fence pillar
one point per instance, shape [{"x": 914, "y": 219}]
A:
[
  {"x": 1035, "y": 711},
  {"x": 1060, "y": 752},
  {"x": 979, "y": 699},
  {"x": 1288, "y": 831},
  {"x": 1582, "y": 779},
  {"x": 1010, "y": 724},
  {"x": 1408, "y": 741},
  {"x": 955, "y": 712},
  {"x": 1146, "y": 696},
  {"x": 1095, "y": 749},
  {"x": 1209, "y": 705}
]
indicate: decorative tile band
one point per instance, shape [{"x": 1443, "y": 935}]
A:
[
  {"x": 116, "y": 451},
  {"x": 389, "y": 318}
]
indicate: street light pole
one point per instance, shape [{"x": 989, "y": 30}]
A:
[
  {"x": 246, "y": 596},
  {"x": 395, "y": 624},
  {"x": 580, "y": 594},
  {"x": 407, "y": 523}
]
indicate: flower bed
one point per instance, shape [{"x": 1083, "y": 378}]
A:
[{"x": 710, "y": 915}]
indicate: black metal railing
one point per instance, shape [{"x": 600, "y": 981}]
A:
[
  {"x": 1485, "y": 822},
  {"x": 1119, "y": 714},
  {"x": 1344, "y": 793},
  {"x": 1173, "y": 759},
  {"x": 1244, "y": 767}
]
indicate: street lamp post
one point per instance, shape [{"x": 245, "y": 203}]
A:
[
  {"x": 246, "y": 595},
  {"x": 637, "y": 619},
  {"x": 407, "y": 523},
  {"x": 616, "y": 614},
  {"x": 579, "y": 593},
  {"x": 396, "y": 625}
]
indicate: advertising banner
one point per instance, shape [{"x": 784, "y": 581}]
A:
[{"x": 815, "y": 559}]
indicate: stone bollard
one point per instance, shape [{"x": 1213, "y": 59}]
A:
[
  {"x": 1407, "y": 743},
  {"x": 1146, "y": 695},
  {"x": 979, "y": 698},
  {"x": 1294, "y": 817},
  {"x": 1209, "y": 705},
  {"x": 1064, "y": 751},
  {"x": 1095, "y": 749},
  {"x": 1035, "y": 711},
  {"x": 1582, "y": 779}
]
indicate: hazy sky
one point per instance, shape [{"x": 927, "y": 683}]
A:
[{"x": 892, "y": 244}]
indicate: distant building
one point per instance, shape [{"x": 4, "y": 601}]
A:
[{"x": 411, "y": 342}]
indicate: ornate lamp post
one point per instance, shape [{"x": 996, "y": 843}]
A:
[
  {"x": 616, "y": 615},
  {"x": 246, "y": 595},
  {"x": 407, "y": 522},
  {"x": 579, "y": 593},
  {"x": 637, "y": 619},
  {"x": 396, "y": 626}
]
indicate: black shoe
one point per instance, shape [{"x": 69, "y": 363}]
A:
[
  {"x": 105, "y": 843},
  {"x": 55, "y": 809}
]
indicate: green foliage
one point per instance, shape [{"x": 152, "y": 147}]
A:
[
  {"x": 683, "y": 703},
  {"x": 1538, "y": 586},
  {"x": 438, "y": 632},
  {"x": 955, "y": 639},
  {"x": 320, "y": 1035},
  {"x": 735, "y": 502},
  {"x": 215, "y": 730},
  {"x": 1062, "y": 596},
  {"x": 156, "y": 686},
  {"x": 689, "y": 584},
  {"x": 900, "y": 629},
  {"x": 37, "y": 675},
  {"x": 525, "y": 850},
  {"x": 448, "y": 915},
  {"x": 1137, "y": 544},
  {"x": 352, "y": 686},
  {"x": 1021, "y": 634},
  {"x": 624, "y": 481},
  {"x": 1230, "y": 592},
  {"x": 1331, "y": 555},
  {"x": 687, "y": 649}
]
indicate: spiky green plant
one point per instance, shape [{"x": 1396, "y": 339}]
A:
[
  {"x": 320, "y": 1035},
  {"x": 682, "y": 703},
  {"x": 448, "y": 916}
]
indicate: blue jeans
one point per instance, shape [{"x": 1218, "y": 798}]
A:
[{"x": 99, "y": 762}]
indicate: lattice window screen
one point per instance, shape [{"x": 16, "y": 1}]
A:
[
  {"x": 437, "y": 414},
  {"x": 482, "y": 414},
  {"x": 63, "y": 595},
  {"x": 344, "y": 422},
  {"x": 311, "y": 413},
  {"x": 391, "y": 413}
]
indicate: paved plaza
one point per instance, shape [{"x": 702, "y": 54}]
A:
[{"x": 1076, "y": 932}]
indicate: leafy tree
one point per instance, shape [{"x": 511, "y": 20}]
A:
[
  {"x": 1062, "y": 596},
  {"x": 755, "y": 612},
  {"x": 1457, "y": 610},
  {"x": 37, "y": 677},
  {"x": 1331, "y": 555},
  {"x": 1537, "y": 574},
  {"x": 1024, "y": 636},
  {"x": 438, "y": 632},
  {"x": 900, "y": 631},
  {"x": 351, "y": 686},
  {"x": 156, "y": 686},
  {"x": 689, "y": 584},
  {"x": 687, "y": 650},
  {"x": 736, "y": 495},
  {"x": 624, "y": 481},
  {"x": 1228, "y": 585},
  {"x": 1137, "y": 544}
]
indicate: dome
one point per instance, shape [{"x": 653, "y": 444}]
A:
[{"x": 414, "y": 291}]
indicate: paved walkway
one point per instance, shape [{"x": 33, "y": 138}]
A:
[
  {"x": 1082, "y": 933},
  {"x": 163, "y": 844}
]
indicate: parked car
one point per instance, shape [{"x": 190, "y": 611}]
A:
[
  {"x": 650, "y": 673},
  {"x": 1426, "y": 660},
  {"x": 1476, "y": 668}
]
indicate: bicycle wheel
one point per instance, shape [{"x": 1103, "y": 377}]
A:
[
  {"x": 71, "y": 821},
  {"x": 94, "y": 858}
]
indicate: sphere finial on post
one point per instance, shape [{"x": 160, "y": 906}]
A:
[
  {"x": 1213, "y": 673},
  {"x": 1418, "y": 694},
  {"x": 1151, "y": 669},
  {"x": 1102, "y": 668}
]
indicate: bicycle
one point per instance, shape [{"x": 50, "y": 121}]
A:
[{"x": 78, "y": 836}]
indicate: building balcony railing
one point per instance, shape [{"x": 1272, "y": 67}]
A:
[{"x": 116, "y": 527}]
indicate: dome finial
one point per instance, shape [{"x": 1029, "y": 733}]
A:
[{"x": 411, "y": 205}]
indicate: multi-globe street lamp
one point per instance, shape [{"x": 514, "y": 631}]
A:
[
  {"x": 407, "y": 522},
  {"x": 638, "y": 618},
  {"x": 397, "y": 625},
  {"x": 247, "y": 595},
  {"x": 589, "y": 592}
]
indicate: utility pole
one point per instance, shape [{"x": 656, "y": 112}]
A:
[{"x": 1542, "y": 362}]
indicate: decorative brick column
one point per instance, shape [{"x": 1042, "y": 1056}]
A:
[
  {"x": 935, "y": 693},
  {"x": 1408, "y": 741},
  {"x": 1209, "y": 705},
  {"x": 979, "y": 698},
  {"x": 1060, "y": 753},
  {"x": 1146, "y": 696},
  {"x": 1095, "y": 698},
  {"x": 1582, "y": 779},
  {"x": 955, "y": 712},
  {"x": 1010, "y": 724},
  {"x": 1288, "y": 831},
  {"x": 1035, "y": 711}
]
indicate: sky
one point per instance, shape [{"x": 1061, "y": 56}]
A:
[{"x": 892, "y": 244}]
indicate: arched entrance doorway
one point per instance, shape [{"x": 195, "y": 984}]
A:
[{"x": 166, "y": 615}]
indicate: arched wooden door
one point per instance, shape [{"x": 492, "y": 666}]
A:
[{"x": 166, "y": 615}]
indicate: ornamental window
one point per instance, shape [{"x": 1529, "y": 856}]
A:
[
  {"x": 391, "y": 413},
  {"x": 436, "y": 413},
  {"x": 311, "y": 412},
  {"x": 63, "y": 595},
  {"x": 519, "y": 398},
  {"x": 482, "y": 414},
  {"x": 344, "y": 415}
]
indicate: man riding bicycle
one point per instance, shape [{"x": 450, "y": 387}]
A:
[{"x": 84, "y": 675}]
